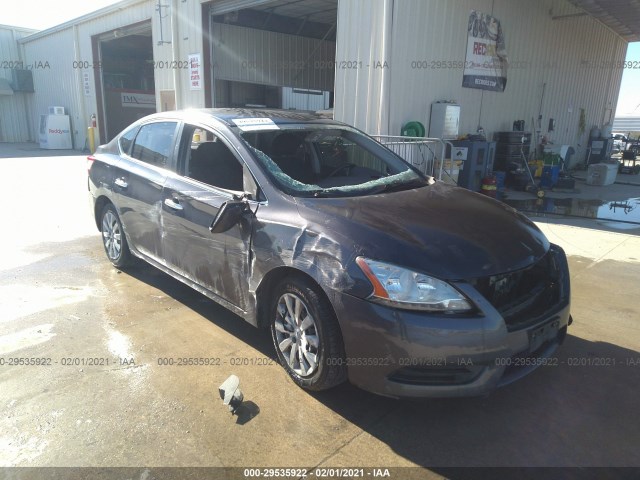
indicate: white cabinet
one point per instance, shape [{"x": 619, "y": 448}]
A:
[
  {"x": 445, "y": 120},
  {"x": 55, "y": 132},
  {"x": 602, "y": 173}
]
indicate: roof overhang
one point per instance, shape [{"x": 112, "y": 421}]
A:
[
  {"x": 321, "y": 11},
  {"x": 18, "y": 29},
  {"x": 621, "y": 16},
  {"x": 109, "y": 9},
  {"x": 626, "y": 124}
]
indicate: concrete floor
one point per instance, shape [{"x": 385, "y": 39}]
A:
[
  {"x": 614, "y": 207},
  {"x": 61, "y": 300}
]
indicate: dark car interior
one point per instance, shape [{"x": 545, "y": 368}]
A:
[
  {"x": 214, "y": 164},
  {"x": 316, "y": 158},
  {"x": 209, "y": 160},
  {"x": 311, "y": 158},
  {"x": 153, "y": 143},
  {"x": 289, "y": 152}
]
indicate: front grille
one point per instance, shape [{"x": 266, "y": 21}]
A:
[
  {"x": 526, "y": 296},
  {"x": 435, "y": 376}
]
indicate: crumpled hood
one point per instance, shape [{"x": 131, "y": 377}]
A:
[{"x": 445, "y": 231}]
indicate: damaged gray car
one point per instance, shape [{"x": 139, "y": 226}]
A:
[{"x": 359, "y": 266}]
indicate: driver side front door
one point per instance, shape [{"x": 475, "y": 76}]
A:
[{"x": 211, "y": 173}]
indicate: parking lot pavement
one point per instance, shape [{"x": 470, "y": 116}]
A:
[{"x": 109, "y": 397}]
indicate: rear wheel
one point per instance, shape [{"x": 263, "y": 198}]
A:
[
  {"x": 306, "y": 335},
  {"x": 113, "y": 237}
]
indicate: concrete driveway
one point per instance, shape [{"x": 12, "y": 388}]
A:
[{"x": 108, "y": 398}]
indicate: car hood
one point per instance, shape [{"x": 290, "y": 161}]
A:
[{"x": 445, "y": 231}]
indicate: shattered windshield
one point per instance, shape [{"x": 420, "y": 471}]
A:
[{"x": 329, "y": 161}]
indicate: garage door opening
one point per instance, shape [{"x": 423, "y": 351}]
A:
[
  {"x": 275, "y": 54},
  {"x": 126, "y": 83}
]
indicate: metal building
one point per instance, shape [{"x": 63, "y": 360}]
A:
[
  {"x": 378, "y": 63},
  {"x": 14, "y": 126},
  {"x": 563, "y": 62},
  {"x": 626, "y": 124}
]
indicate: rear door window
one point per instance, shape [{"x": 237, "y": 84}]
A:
[
  {"x": 154, "y": 143},
  {"x": 126, "y": 140}
]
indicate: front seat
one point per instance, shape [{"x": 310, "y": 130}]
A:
[
  {"x": 214, "y": 164},
  {"x": 288, "y": 152}
]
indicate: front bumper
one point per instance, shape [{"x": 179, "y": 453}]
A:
[
  {"x": 401, "y": 353},
  {"x": 406, "y": 354}
]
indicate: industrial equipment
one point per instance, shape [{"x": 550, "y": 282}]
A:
[
  {"x": 599, "y": 150},
  {"x": 477, "y": 158}
]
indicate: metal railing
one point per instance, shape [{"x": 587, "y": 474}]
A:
[{"x": 425, "y": 154}]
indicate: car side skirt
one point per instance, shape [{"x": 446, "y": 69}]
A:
[{"x": 248, "y": 316}]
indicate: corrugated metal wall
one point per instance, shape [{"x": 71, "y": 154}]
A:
[
  {"x": 258, "y": 56},
  {"x": 304, "y": 101},
  {"x": 569, "y": 55},
  {"x": 627, "y": 125},
  {"x": 14, "y": 126},
  {"x": 134, "y": 14},
  {"x": 56, "y": 84},
  {"x": 62, "y": 83},
  {"x": 377, "y": 85},
  {"x": 189, "y": 40},
  {"x": 360, "y": 43}
]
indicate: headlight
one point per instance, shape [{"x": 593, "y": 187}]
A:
[{"x": 402, "y": 288}]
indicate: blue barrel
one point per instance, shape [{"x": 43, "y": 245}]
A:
[{"x": 550, "y": 175}]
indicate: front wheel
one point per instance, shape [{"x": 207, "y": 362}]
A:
[
  {"x": 306, "y": 335},
  {"x": 113, "y": 237}
]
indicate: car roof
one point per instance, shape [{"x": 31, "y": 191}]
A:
[{"x": 228, "y": 115}]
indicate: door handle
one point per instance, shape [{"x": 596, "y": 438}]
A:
[
  {"x": 172, "y": 203},
  {"x": 121, "y": 182}
]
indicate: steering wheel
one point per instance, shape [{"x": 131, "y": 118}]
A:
[{"x": 347, "y": 165}]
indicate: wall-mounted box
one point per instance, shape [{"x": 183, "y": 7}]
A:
[
  {"x": 22, "y": 80},
  {"x": 445, "y": 121}
]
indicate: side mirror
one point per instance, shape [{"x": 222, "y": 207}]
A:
[{"x": 229, "y": 215}]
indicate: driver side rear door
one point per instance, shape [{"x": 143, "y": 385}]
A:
[{"x": 138, "y": 180}]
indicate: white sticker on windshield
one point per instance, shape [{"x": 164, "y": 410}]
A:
[{"x": 250, "y": 124}]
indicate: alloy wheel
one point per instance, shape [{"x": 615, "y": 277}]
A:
[
  {"x": 297, "y": 335},
  {"x": 112, "y": 235}
]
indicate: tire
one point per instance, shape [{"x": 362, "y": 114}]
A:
[
  {"x": 113, "y": 238},
  {"x": 309, "y": 348}
]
